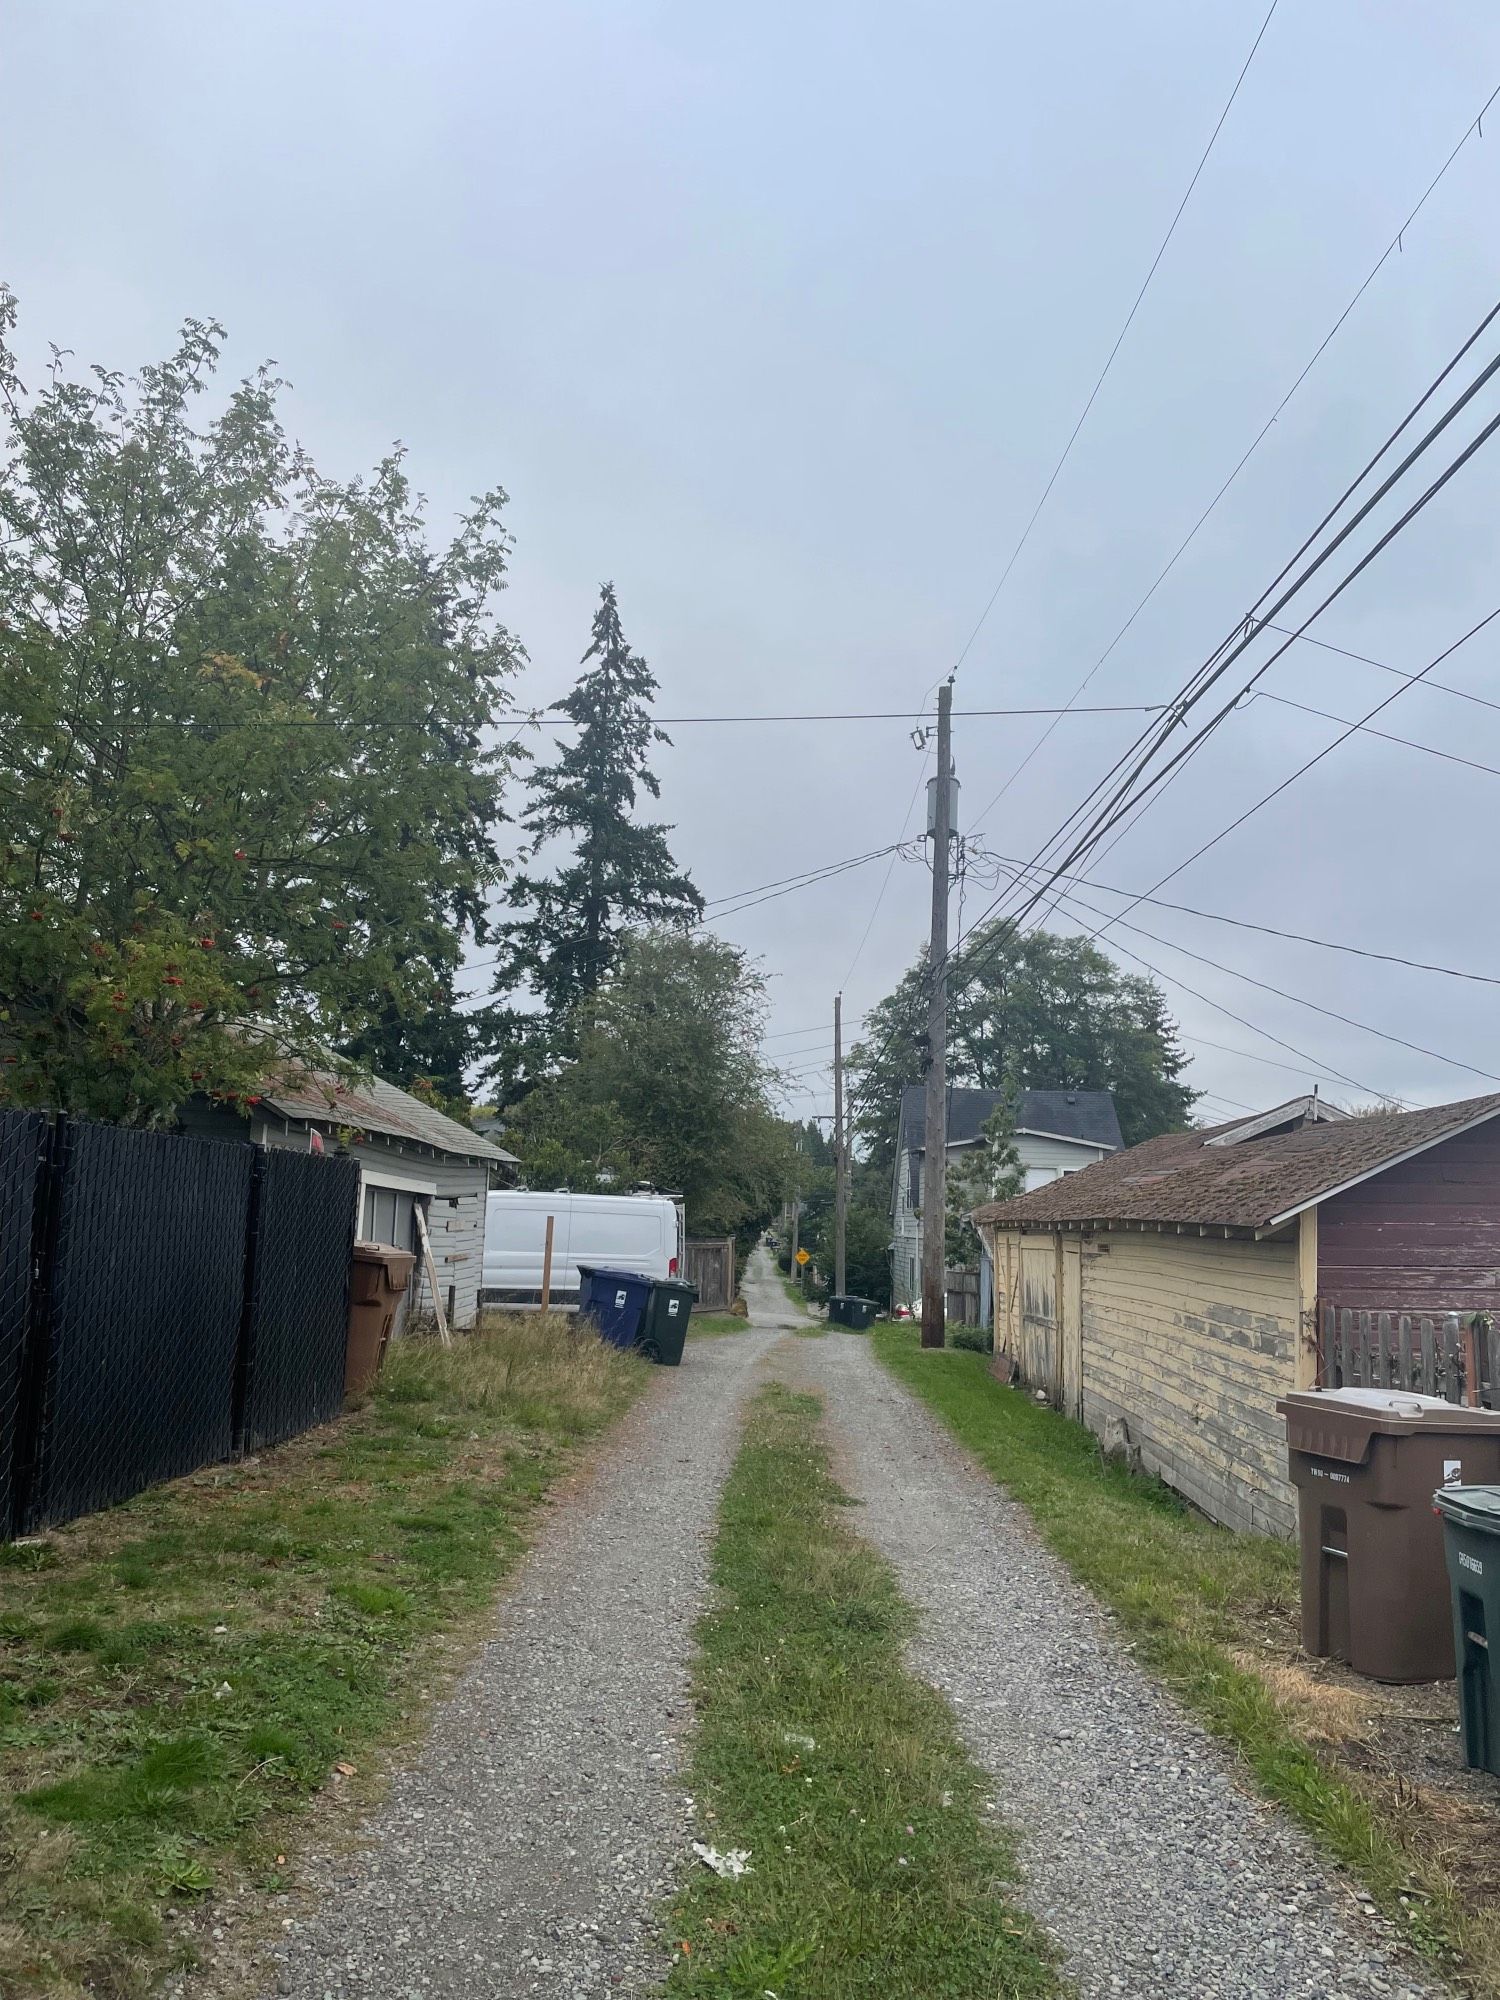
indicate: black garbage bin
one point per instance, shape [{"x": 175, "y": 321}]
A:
[
  {"x": 1471, "y": 1535},
  {"x": 845, "y": 1309},
  {"x": 665, "y": 1323}
]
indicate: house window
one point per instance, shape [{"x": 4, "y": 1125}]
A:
[{"x": 389, "y": 1217}]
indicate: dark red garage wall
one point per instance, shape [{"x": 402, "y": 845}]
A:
[{"x": 1421, "y": 1236}]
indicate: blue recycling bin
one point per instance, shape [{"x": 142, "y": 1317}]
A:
[{"x": 615, "y": 1301}]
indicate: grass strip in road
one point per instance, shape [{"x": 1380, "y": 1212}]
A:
[
  {"x": 872, "y": 1870},
  {"x": 180, "y": 1676},
  {"x": 710, "y": 1326},
  {"x": 1197, "y": 1601}
]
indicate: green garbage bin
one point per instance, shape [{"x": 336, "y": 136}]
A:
[
  {"x": 665, "y": 1324},
  {"x": 1471, "y": 1535},
  {"x": 844, "y": 1309}
]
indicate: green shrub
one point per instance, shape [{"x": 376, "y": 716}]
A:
[{"x": 973, "y": 1339}]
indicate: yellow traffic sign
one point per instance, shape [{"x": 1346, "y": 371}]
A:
[{"x": 804, "y": 1256}]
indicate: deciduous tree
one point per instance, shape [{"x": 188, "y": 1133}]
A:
[
  {"x": 243, "y": 774},
  {"x": 1036, "y": 1011},
  {"x": 668, "y": 1088}
]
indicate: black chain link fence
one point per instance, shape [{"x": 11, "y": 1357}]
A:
[
  {"x": 297, "y": 1323},
  {"x": 23, "y": 1143},
  {"x": 174, "y": 1299}
]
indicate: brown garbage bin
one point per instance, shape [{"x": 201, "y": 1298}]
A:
[
  {"x": 1366, "y": 1463},
  {"x": 377, "y": 1278}
]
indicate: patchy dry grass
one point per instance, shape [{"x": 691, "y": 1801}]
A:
[
  {"x": 872, "y": 1871},
  {"x": 180, "y": 1675},
  {"x": 1214, "y": 1615}
]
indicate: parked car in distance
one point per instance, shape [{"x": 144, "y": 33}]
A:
[{"x": 629, "y": 1232}]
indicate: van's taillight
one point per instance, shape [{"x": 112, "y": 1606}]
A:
[{"x": 672, "y": 1268}]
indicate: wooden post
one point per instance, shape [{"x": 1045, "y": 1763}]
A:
[
  {"x": 797, "y": 1211},
  {"x": 429, "y": 1264},
  {"x": 1309, "y": 1365},
  {"x": 840, "y": 1147},
  {"x": 1471, "y": 1363},
  {"x": 935, "y": 1121},
  {"x": 547, "y": 1265}
]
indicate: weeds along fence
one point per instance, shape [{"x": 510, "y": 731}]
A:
[{"x": 165, "y": 1302}]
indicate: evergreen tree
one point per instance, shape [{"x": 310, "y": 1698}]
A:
[{"x": 568, "y": 929}]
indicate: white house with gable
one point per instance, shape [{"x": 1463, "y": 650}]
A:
[{"x": 1057, "y": 1132}]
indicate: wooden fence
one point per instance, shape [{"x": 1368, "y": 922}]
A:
[
  {"x": 708, "y": 1263},
  {"x": 962, "y": 1289},
  {"x": 1451, "y": 1355}
]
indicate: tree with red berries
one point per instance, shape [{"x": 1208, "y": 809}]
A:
[{"x": 247, "y": 809}]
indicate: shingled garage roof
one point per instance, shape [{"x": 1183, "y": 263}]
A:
[
  {"x": 1087, "y": 1115},
  {"x": 379, "y": 1107},
  {"x": 1256, "y": 1185}
]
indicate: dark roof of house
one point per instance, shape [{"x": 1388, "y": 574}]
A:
[
  {"x": 1086, "y": 1115},
  {"x": 1180, "y": 1178},
  {"x": 377, "y": 1107}
]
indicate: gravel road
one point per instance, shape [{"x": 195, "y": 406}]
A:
[
  {"x": 1157, "y": 1875},
  {"x": 525, "y": 1848}
]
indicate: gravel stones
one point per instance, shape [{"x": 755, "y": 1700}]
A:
[
  {"x": 525, "y": 1849},
  {"x": 1157, "y": 1874}
]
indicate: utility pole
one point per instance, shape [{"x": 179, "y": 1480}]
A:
[
  {"x": 935, "y": 1140},
  {"x": 797, "y": 1211},
  {"x": 840, "y": 1149}
]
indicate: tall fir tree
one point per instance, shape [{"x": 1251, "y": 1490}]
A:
[{"x": 568, "y": 927}]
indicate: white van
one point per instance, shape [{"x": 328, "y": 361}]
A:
[{"x": 627, "y": 1232}]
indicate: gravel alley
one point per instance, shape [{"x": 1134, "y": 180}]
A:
[
  {"x": 524, "y": 1850},
  {"x": 1156, "y": 1873}
]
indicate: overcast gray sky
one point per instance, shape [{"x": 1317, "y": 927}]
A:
[{"x": 779, "y": 316}]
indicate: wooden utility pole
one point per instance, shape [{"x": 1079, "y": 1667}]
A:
[
  {"x": 840, "y": 1178},
  {"x": 797, "y": 1213},
  {"x": 935, "y": 1139}
]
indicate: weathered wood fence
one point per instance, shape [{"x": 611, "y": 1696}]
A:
[
  {"x": 1451, "y": 1355},
  {"x": 708, "y": 1263},
  {"x": 962, "y": 1290}
]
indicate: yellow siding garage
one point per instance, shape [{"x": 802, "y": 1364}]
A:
[{"x": 1188, "y": 1341}]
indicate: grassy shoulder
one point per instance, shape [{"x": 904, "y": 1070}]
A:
[
  {"x": 180, "y": 1675},
  {"x": 794, "y": 1292},
  {"x": 872, "y": 1870},
  {"x": 710, "y": 1326},
  {"x": 1199, "y": 1602}
]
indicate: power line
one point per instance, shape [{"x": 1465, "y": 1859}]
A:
[
  {"x": 1109, "y": 363},
  {"x": 742, "y": 899},
  {"x": 1129, "y": 791},
  {"x": 1475, "y": 124},
  {"x": 1281, "y": 993},
  {"x": 1365, "y": 659},
  {"x": 133, "y": 726},
  {"x": 1327, "y": 751},
  {"x": 1385, "y": 736},
  {"x": 864, "y": 715},
  {"x": 1268, "y": 930},
  {"x": 1323, "y": 1069},
  {"x": 864, "y": 936},
  {"x": 1271, "y": 1062},
  {"x": 805, "y": 879},
  {"x": 1125, "y": 796}
]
